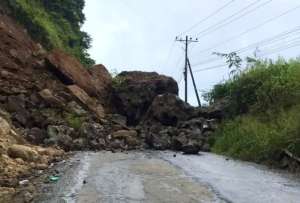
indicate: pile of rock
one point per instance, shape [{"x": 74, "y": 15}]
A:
[
  {"x": 133, "y": 93},
  {"x": 18, "y": 158},
  {"x": 55, "y": 101},
  {"x": 150, "y": 102},
  {"x": 172, "y": 124}
]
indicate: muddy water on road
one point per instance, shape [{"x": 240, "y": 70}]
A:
[{"x": 161, "y": 177}]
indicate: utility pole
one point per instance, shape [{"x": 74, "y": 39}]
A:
[
  {"x": 194, "y": 83},
  {"x": 187, "y": 41}
]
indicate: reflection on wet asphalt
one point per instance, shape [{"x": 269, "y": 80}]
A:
[{"x": 160, "y": 177}]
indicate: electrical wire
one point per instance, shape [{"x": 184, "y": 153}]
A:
[
  {"x": 221, "y": 24},
  {"x": 251, "y": 29},
  {"x": 279, "y": 49},
  {"x": 276, "y": 38},
  {"x": 207, "y": 17}
]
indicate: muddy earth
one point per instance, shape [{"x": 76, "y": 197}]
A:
[{"x": 167, "y": 177}]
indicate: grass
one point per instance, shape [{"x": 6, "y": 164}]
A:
[
  {"x": 263, "y": 113},
  {"x": 258, "y": 139}
]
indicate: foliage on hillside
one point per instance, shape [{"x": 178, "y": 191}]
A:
[
  {"x": 263, "y": 113},
  {"x": 55, "y": 24}
]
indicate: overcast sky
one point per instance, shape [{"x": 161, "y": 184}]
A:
[{"x": 140, "y": 34}]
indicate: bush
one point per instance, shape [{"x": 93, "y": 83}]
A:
[
  {"x": 263, "y": 113},
  {"x": 262, "y": 87},
  {"x": 74, "y": 121},
  {"x": 260, "y": 139}
]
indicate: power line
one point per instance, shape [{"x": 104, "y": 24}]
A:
[
  {"x": 223, "y": 23},
  {"x": 276, "y": 38},
  {"x": 210, "y": 68},
  {"x": 169, "y": 53},
  {"x": 251, "y": 29},
  {"x": 279, "y": 49},
  {"x": 207, "y": 17}
]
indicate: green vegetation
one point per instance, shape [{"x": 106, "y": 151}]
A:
[
  {"x": 55, "y": 24},
  {"x": 74, "y": 121},
  {"x": 263, "y": 112}
]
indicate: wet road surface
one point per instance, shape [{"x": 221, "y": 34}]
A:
[{"x": 155, "y": 177}]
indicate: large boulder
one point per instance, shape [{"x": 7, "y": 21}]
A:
[
  {"x": 91, "y": 103},
  {"x": 103, "y": 83},
  {"x": 168, "y": 109},
  {"x": 70, "y": 71},
  {"x": 133, "y": 92}
]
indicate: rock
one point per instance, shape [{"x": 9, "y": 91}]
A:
[
  {"x": 52, "y": 100},
  {"x": 28, "y": 197},
  {"x": 159, "y": 142},
  {"x": 88, "y": 101},
  {"x": 74, "y": 108},
  {"x": 94, "y": 135},
  {"x": 35, "y": 135},
  {"x": 5, "y": 128},
  {"x": 16, "y": 103},
  {"x": 129, "y": 136},
  {"x": 102, "y": 81},
  {"x": 41, "y": 166},
  {"x": 133, "y": 92},
  {"x": 132, "y": 142},
  {"x": 6, "y": 194},
  {"x": 214, "y": 111},
  {"x": 61, "y": 136},
  {"x": 23, "y": 152},
  {"x": 80, "y": 144},
  {"x": 168, "y": 109},
  {"x": 70, "y": 71},
  {"x": 117, "y": 144},
  {"x": 124, "y": 134},
  {"x": 117, "y": 118},
  {"x": 92, "y": 131},
  {"x": 22, "y": 117},
  {"x": 191, "y": 149}
]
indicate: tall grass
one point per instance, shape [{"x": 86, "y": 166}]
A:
[
  {"x": 263, "y": 113},
  {"x": 259, "y": 139}
]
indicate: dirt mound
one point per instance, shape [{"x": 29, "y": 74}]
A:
[
  {"x": 133, "y": 92},
  {"x": 18, "y": 159}
]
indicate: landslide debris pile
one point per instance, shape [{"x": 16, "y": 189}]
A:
[
  {"x": 163, "y": 121},
  {"x": 19, "y": 159},
  {"x": 54, "y": 101},
  {"x": 52, "y": 98}
]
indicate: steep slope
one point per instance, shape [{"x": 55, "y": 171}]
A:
[{"x": 54, "y": 24}]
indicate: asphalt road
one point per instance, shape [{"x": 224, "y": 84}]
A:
[{"x": 159, "y": 177}]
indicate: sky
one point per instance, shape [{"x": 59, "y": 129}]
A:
[{"x": 140, "y": 35}]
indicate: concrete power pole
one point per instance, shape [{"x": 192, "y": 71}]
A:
[{"x": 187, "y": 66}]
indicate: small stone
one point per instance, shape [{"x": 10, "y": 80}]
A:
[{"x": 28, "y": 197}]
